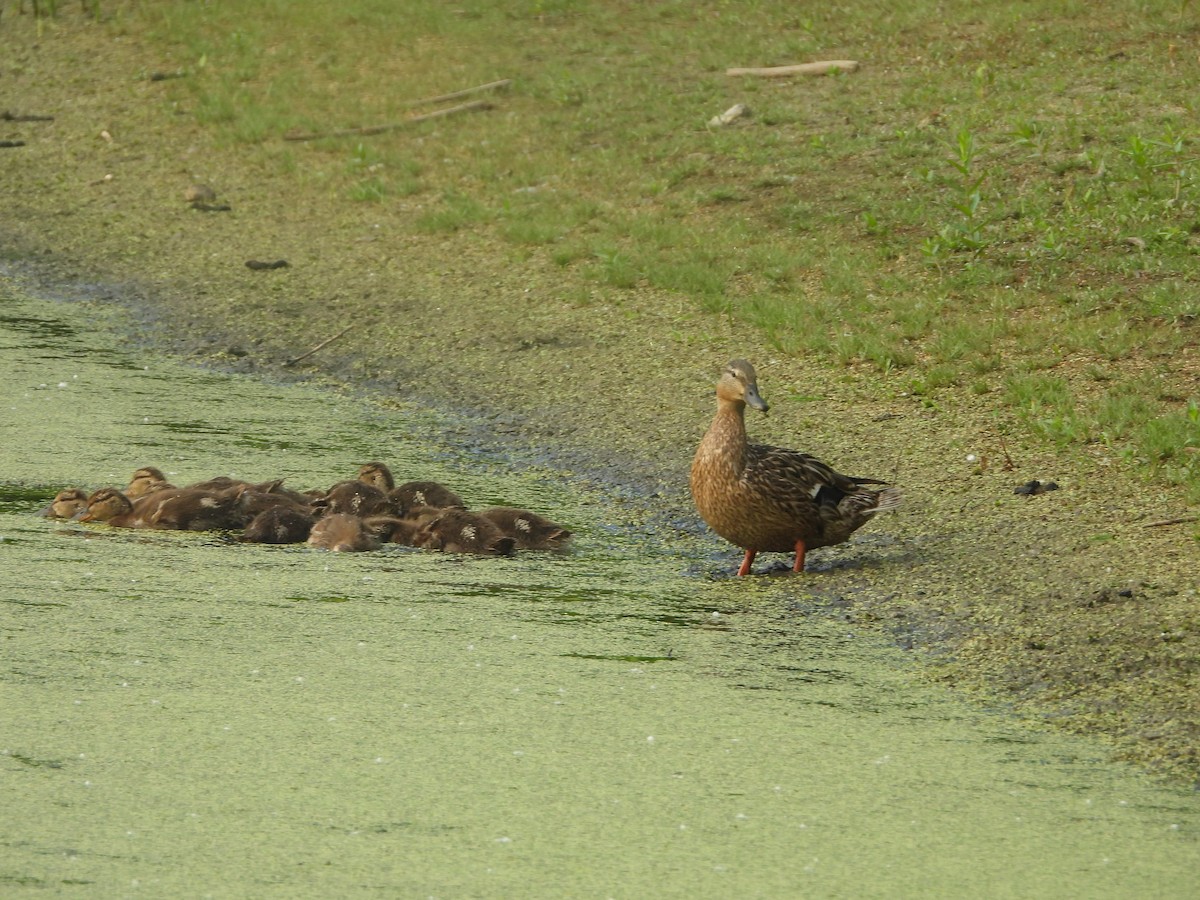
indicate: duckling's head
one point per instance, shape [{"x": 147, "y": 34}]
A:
[
  {"x": 145, "y": 480},
  {"x": 105, "y": 504},
  {"x": 67, "y": 504},
  {"x": 378, "y": 475},
  {"x": 739, "y": 384}
]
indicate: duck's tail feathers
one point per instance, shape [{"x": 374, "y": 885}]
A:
[{"x": 888, "y": 498}]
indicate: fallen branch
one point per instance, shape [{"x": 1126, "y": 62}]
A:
[
  {"x": 321, "y": 346},
  {"x": 1162, "y": 522},
  {"x": 473, "y": 106},
  {"x": 812, "y": 68},
  {"x": 9, "y": 116},
  {"x": 454, "y": 95}
]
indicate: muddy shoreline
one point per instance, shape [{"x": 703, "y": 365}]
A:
[{"x": 1064, "y": 608}]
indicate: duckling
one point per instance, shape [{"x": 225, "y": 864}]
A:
[
  {"x": 767, "y": 498},
  {"x": 356, "y": 498},
  {"x": 111, "y": 507},
  {"x": 402, "y": 529},
  {"x": 189, "y": 509},
  {"x": 528, "y": 529},
  {"x": 67, "y": 504},
  {"x": 146, "y": 480},
  {"x": 253, "y": 502},
  {"x": 378, "y": 475},
  {"x": 281, "y": 524},
  {"x": 342, "y": 532},
  {"x": 424, "y": 493},
  {"x": 459, "y": 531}
]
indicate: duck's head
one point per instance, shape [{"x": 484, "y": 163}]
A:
[
  {"x": 378, "y": 475},
  {"x": 145, "y": 480},
  {"x": 738, "y": 384},
  {"x": 67, "y": 504},
  {"x": 105, "y": 504}
]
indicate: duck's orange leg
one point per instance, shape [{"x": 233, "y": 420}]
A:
[
  {"x": 744, "y": 569},
  {"x": 800, "y": 551}
]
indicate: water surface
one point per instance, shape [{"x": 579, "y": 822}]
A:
[{"x": 181, "y": 715}]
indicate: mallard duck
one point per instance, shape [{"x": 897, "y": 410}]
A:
[
  {"x": 281, "y": 524},
  {"x": 111, "y": 507},
  {"x": 424, "y": 493},
  {"x": 357, "y": 498},
  {"x": 528, "y": 529},
  {"x": 146, "y": 480},
  {"x": 343, "y": 533},
  {"x": 192, "y": 509},
  {"x": 378, "y": 475},
  {"x": 67, "y": 504},
  {"x": 768, "y": 498},
  {"x": 401, "y": 529},
  {"x": 459, "y": 531}
]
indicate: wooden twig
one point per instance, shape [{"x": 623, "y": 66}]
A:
[
  {"x": 812, "y": 68},
  {"x": 1009, "y": 465},
  {"x": 379, "y": 129},
  {"x": 1162, "y": 522},
  {"x": 325, "y": 343},
  {"x": 454, "y": 95}
]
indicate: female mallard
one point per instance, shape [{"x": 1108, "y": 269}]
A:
[{"x": 769, "y": 498}]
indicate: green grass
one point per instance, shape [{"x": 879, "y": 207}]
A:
[{"x": 1003, "y": 200}]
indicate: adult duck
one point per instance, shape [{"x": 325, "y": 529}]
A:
[{"x": 764, "y": 498}]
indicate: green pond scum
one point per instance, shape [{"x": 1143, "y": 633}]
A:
[{"x": 184, "y": 715}]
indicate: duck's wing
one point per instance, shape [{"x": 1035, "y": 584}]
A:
[{"x": 795, "y": 477}]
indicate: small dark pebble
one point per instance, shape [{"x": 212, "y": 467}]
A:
[
  {"x": 164, "y": 76},
  {"x": 259, "y": 264},
  {"x": 9, "y": 116},
  {"x": 12, "y": 143},
  {"x": 1035, "y": 487}
]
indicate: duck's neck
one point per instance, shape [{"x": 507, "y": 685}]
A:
[{"x": 726, "y": 438}]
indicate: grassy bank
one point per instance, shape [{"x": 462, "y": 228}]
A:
[
  {"x": 1003, "y": 200},
  {"x": 966, "y": 264}
]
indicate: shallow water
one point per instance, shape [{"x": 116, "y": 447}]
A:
[{"x": 185, "y": 716}]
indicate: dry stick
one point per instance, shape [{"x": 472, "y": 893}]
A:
[
  {"x": 1180, "y": 521},
  {"x": 442, "y": 98},
  {"x": 812, "y": 68},
  {"x": 323, "y": 344},
  {"x": 378, "y": 129}
]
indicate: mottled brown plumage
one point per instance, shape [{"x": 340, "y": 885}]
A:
[
  {"x": 424, "y": 493},
  {"x": 528, "y": 529},
  {"x": 343, "y": 533},
  {"x": 459, "y": 531},
  {"x": 764, "y": 498},
  {"x": 357, "y": 498},
  {"x": 281, "y": 524}
]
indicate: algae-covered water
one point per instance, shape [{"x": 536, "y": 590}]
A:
[{"x": 181, "y": 715}]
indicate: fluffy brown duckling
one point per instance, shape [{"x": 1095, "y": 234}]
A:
[
  {"x": 459, "y": 531},
  {"x": 194, "y": 509},
  {"x": 146, "y": 480},
  {"x": 281, "y": 524},
  {"x": 356, "y": 498},
  {"x": 252, "y": 501},
  {"x": 402, "y": 529},
  {"x": 378, "y": 475},
  {"x": 424, "y": 493},
  {"x": 767, "y": 498},
  {"x": 67, "y": 504},
  {"x": 528, "y": 529},
  {"x": 111, "y": 507},
  {"x": 343, "y": 533}
]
